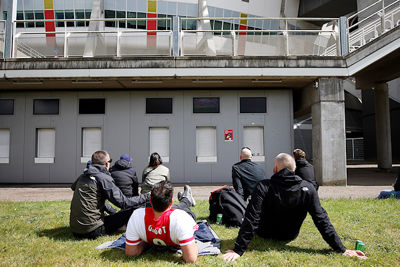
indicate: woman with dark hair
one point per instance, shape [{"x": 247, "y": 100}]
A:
[{"x": 154, "y": 173}]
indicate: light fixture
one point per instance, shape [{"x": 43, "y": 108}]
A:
[
  {"x": 87, "y": 82},
  {"x": 266, "y": 81},
  {"x": 207, "y": 81},
  {"x": 28, "y": 82},
  {"x": 146, "y": 81}
]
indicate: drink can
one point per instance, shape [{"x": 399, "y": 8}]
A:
[
  {"x": 360, "y": 245},
  {"x": 219, "y": 218},
  {"x": 392, "y": 195}
]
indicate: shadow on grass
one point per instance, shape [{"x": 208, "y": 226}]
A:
[
  {"x": 151, "y": 255},
  {"x": 62, "y": 233},
  {"x": 261, "y": 244}
]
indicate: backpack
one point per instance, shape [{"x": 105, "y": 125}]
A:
[{"x": 230, "y": 204}]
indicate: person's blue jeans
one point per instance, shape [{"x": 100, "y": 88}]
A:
[{"x": 386, "y": 194}]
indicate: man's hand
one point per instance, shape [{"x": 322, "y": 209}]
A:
[
  {"x": 230, "y": 256},
  {"x": 355, "y": 253}
]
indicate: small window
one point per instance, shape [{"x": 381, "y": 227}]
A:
[
  {"x": 253, "y": 105},
  {"x": 91, "y": 142},
  {"x": 206, "y": 144},
  {"x": 206, "y": 105},
  {"x": 6, "y": 106},
  {"x": 158, "y": 105},
  {"x": 159, "y": 142},
  {"x": 253, "y": 138},
  {"x": 45, "y": 145},
  {"x": 92, "y": 106},
  {"x": 4, "y": 145},
  {"x": 45, "y": 106}
]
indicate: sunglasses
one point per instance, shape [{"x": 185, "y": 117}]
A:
[{"x": 109, "y": 161}]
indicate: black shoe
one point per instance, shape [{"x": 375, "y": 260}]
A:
[
  {"x": 187, "y": 192},
  {"x": 180, "y": 196}
]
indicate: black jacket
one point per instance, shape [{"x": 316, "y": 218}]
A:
[
  {"x": 306, "y": 171},
  {"x": 278, "y": 208},
  {"x": 245, "y": 176},
  {"x": 397, "y": 182},
  {"x": 91, "y": 190},
  {"x": 125, "y": 177}
]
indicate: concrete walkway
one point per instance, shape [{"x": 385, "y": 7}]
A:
[
  {"x": 199, "y": 192},
  {"x": 364, "y": 181}
]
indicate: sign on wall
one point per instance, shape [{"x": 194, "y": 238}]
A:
[{"x": 228, "y": 134}]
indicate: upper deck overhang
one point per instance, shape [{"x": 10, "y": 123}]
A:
[{"x": 375, "y": 62}]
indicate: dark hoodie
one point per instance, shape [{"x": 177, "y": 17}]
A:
[
  {"x": 125, "y": 177},
  {"x": 91, "y": 190},
  {"x": 306, "y": 171},
  {"x": 278, "y": 208}
]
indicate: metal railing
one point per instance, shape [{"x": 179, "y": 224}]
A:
[
  {"x": 2, "y": 37},
  {"x": 67, "y": 41},
  {"x": 373, "y": 21},
  {"x": 239, "y": 40},
  {"x": 355, "y": 148}
]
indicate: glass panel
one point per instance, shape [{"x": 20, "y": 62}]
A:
[
  {"x": 69, "y": 15},
  {"x": 20, "y": 16},
  {"x": 110, "y": 14},
  {"x": 46, "y": 106},
  {"x": 206, "y": 105},
  {"x": 158, "y": 105},
  {"x": 6, "y": 106},
  {"x": 131, "y": 23},
  {"x": 253, "y": 138},
  {"x": 80, "y": 14},
  {"x": 141, "y": 24},
  {"x": 253, "y": 105},
  {"x": 121, "y": 14},
  {"x": 92, "y": 106},
  {"x": 59, "y": 15},
  {"x": 29, "y": 15}
]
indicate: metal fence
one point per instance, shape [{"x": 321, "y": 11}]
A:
[
  {"x": 2, "y": 37},
  {"x": 371, "y": 22},
  {"x": 355, "y": 148},
  {"x": 299, "y": 36},
  {"x": 167, "y": 36},
  {"x": 96, "y": 40}
]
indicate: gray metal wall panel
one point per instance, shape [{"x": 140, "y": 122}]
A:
[
  {"x": 14, "y": 171},
  {"x": 125, "y": 129}
]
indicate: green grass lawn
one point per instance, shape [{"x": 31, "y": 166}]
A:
[{"x": 37, "y": 233}]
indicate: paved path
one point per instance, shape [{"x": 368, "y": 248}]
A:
[
  {"x": 364, "y": 181},
  {"x": 199, "y": 192}
]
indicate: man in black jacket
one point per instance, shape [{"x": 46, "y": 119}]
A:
[
  {"x": 91, "y": 190},
  {"x": 278, "y": 208},
  {"x": 125, "y": 176},
  {"x": 246, "y": 174},
  {"x": 303, "y": 168}
]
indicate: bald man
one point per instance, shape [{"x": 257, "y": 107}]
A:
[
  {"x": 246, "y": 174},
  {"x": 278, "y": 208}
]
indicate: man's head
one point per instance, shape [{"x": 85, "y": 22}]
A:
[
  {"x": 299, "y": 154},
  {"x": 161, "y": 196},
  {"x": 245, "y": 153},
  {"x": 101, "y": 158},
  {"x": 282, "y": 161}
]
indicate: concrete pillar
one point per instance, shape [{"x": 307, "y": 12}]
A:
[
  {"x": 382, "y": 122},
  {"x": 328, "y": 132}
]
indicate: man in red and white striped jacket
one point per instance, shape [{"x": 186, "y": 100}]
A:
[{"x": 163, "y": 224}]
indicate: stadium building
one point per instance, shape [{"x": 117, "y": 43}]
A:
[{"x": 195, "y": 81}]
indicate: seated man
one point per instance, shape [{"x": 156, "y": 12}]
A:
[
  {"x": 303, "y": 168},
  {"x": 392, "y": 193},
  {"x": 246, "y": 174},
  {"x": 91, "y": 190},
  {"x": 124, "y": 176},
  {"x": 163, "y": 224},
  {"x": 278, "y": 208}
]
